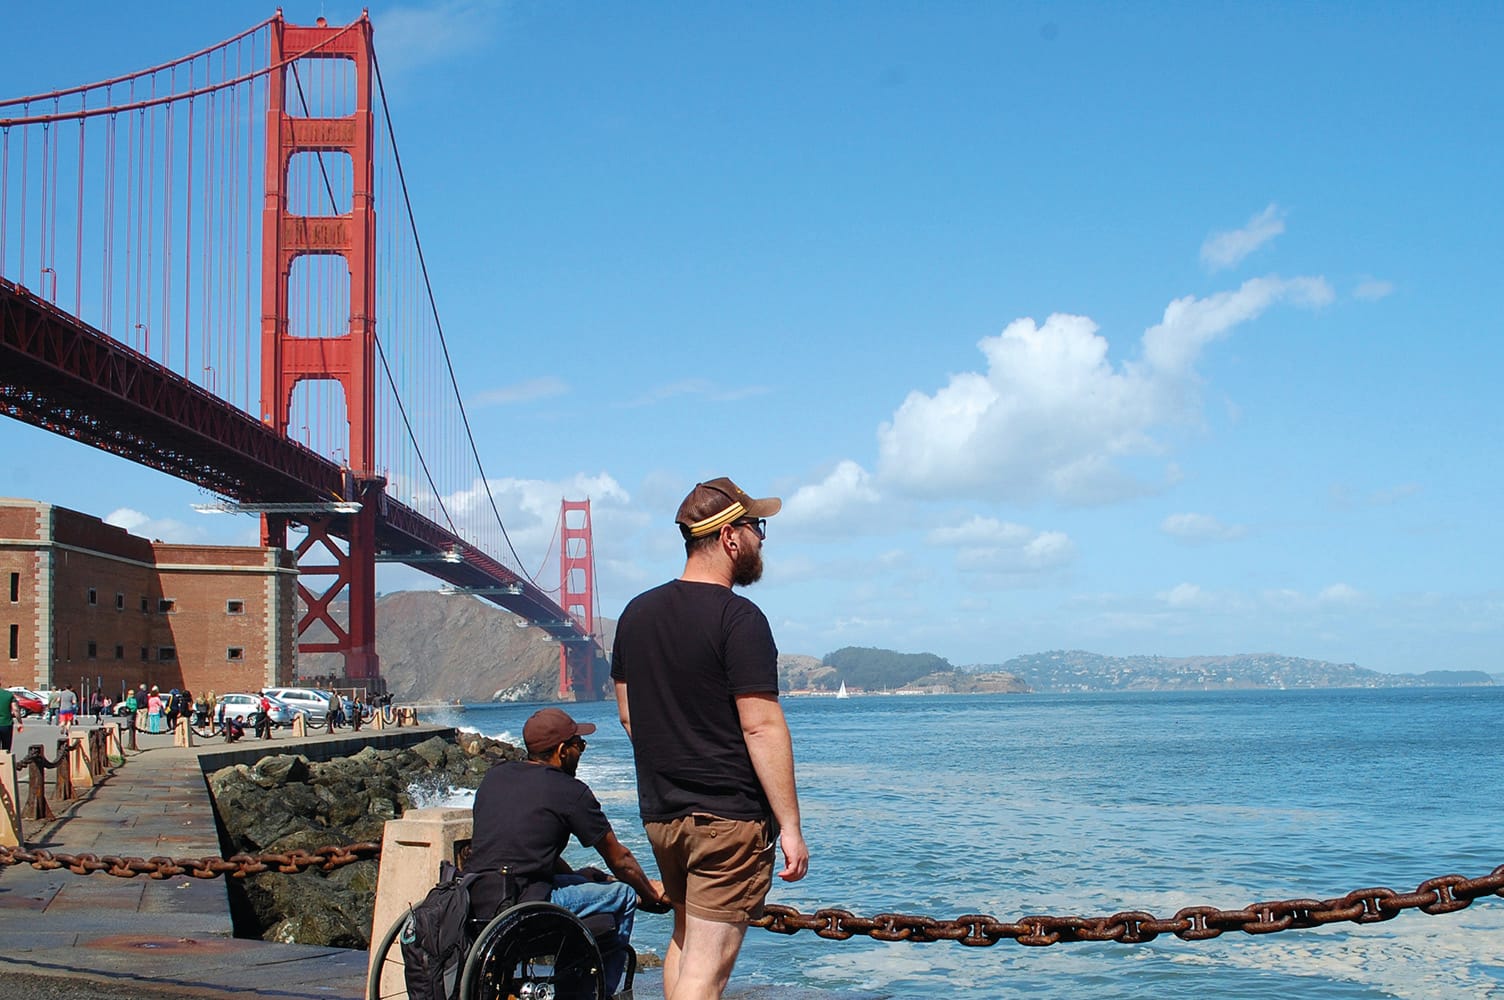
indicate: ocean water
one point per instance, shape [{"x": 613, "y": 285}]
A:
[{"x": 1094, "y": 804}]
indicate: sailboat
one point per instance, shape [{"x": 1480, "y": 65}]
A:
[{"x": 842, "y": 693}]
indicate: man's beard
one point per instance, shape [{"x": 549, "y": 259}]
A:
[
  {"x": 746, "y": 569},
  {"x": 570, "y": 764}
]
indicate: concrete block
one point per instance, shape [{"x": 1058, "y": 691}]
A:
[
  {"x": 411, "y": 850},
  {"x": 182, "y": 735},
  {"x": 78, "y": 762},
  {"x": 10, "y": 808}
]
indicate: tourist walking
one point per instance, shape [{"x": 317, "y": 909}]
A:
[
  {"x": 693, "y": 649},
  {"x": 67, "y": 709}
]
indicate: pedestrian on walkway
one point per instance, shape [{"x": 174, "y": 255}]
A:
[
  {"x": 264, "y": 718},
  {"x": 154, "y": 711},
  {"x": 9, "y": 718},
  {"x": 67, "y": 708}
]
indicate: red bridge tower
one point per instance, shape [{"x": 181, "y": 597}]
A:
[
  {"x": 289, "y": 356},
  {"x": 578, "y": 660}
]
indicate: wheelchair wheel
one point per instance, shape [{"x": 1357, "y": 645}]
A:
[
  {"x": 385, "y": 979},
  {"x": 534, "y": 951}
]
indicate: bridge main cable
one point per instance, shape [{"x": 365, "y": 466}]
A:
[{"x": 152, "y": 102}]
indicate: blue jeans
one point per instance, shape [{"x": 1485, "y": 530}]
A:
[{"x": 582, "y": 897}]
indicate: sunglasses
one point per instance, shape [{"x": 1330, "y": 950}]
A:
[
  {"x": 576, "y": 741},
  {"x": 758, "y": 525}
]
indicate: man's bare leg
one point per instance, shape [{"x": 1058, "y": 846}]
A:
[
  {"x": 671, "y": 956},
  {"x": 705, "y": 958}
]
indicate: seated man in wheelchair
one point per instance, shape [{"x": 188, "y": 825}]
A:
[{"x": 525, "y": 812}]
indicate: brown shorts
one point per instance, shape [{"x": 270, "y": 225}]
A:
[{"x": 721, "y": 868}]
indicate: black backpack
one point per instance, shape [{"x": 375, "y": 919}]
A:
[{"x": 436, "y": 937}]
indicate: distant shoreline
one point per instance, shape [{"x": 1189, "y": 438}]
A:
[{"x": 1164, "y": 689}]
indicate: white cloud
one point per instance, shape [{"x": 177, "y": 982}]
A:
[
  {"x": 413, "y": 37},
  {"x": 1339, "y": 595},
  {"x": 160, "y": 529},
  {"x": 529, "y": 510},
  {"x": 1052, "y": 417},
  {"x": 1003, "y": 549},
  {"x": 1226, "y": 249},
  {"x": 1373, "y": 289},
  {"x": 847, "y": 490},
  {"x": 524, "y": 392},
  {"x": 981, "y": 531},
  {"x": 1172, "y": 346},
  {"x": 1197, "y": 528},
  {"x": 1185, "y": 595}
]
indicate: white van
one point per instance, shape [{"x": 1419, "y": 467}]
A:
[{"x": 313, "y": 703}]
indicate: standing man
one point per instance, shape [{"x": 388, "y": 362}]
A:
[
  {"x": 525, "y": 812},
  {"x": 696, "y": 675}
]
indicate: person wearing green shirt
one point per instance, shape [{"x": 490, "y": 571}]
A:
[{"x": 10, "y": 722}]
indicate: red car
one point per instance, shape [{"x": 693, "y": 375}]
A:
[{"x": 27, "y": 702}]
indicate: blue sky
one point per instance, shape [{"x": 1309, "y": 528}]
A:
[{"x": 1141, "y": 328}]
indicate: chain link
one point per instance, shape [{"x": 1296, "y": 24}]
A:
[
  {"x": 236, "y": 866},
  {"x": 1445, "y": 894}
]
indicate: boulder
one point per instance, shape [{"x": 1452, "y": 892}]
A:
[{"x": 284, "y": 802}]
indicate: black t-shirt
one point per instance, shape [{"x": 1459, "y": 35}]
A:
[
  {"x": 524, "y": 814},
  {"x": 685, "y": 651}
]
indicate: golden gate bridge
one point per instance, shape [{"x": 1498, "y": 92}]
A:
[{"x": 311, "y": 383}]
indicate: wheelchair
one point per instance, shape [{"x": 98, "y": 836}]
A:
[{"x": 528, "y": 951}]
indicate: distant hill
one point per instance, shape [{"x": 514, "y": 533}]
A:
[
  {"x": 439, "y": 648},
  {"x": 1077, "y": 670},
  {"x": 436, "y": 647},
  {"x": 863, "y": 668}
]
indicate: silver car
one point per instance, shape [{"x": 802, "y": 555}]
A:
[
  {"x": 244, "y": 706},
  {"x": 313, "y": 703}
]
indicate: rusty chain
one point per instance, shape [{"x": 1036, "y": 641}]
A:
[
  {"x": 235, "y": 866},
  {"x": 1444, "y": 894}
]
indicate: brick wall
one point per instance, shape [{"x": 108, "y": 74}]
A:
[
  {"x": 20, "y": 561},
  {"x": 116, "y": 610}
]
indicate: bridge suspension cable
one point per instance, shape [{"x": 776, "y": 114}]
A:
[{"x": 438, "y": 323}]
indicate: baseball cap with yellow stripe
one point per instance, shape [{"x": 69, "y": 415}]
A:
[{"x": 718, "y": 502}]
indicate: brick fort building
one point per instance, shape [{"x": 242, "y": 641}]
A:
[{"x": 90, "y": 604}]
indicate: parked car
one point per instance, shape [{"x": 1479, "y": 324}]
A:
[
  {"x": 244, "y": 706},
  {"x": 28, "y": 702},
  {"x": 313, "y": 703}
]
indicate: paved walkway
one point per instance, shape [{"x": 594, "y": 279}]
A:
[{"x": 165, "y": 936}]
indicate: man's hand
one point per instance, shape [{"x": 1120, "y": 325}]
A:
[
  {"x": 659, "y": 904},
  {"x": 593, "y": 874},
  {"x": 795, "y": 855}
]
